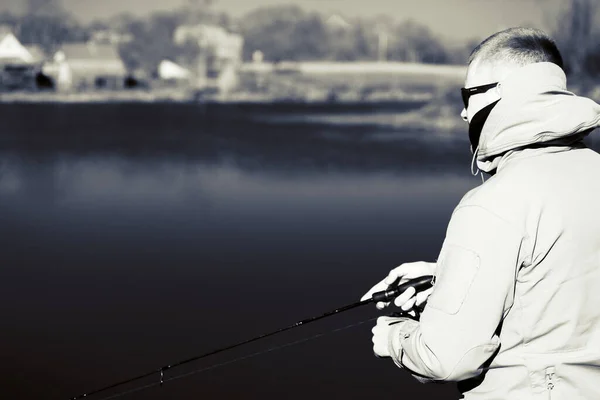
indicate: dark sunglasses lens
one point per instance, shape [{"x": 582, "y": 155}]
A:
[
  {"x": 465, "y": 97},
  {"x": 467, "y": 93}
]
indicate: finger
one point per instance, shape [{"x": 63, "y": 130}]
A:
[
  {"x": 396, "y": 275},
  {"x": 408, "y": 271},
  {"x": 377, "y": 288},
  {"x": 423, "y": 296},
  {"x": 405, "y": 296},
  {"x": 376, "y": 351},
  {"x": 409, "y": 304},
  {"x": 391, "y": 278},
  {"x": 402, "y": 272}
]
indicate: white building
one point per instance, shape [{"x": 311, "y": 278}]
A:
[
  {"x": 170, "y": 71},
  {"x": 221, "y": 54},
  {"x": 19, "y": 64},
  {"x": 87, "y": 66}
]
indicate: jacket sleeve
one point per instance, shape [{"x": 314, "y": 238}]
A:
[{"x": 474, "y": 289}]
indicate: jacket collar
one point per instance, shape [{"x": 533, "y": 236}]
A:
[{"x": 535, "y": 110}]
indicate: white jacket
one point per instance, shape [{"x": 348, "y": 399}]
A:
[{"x": 515, "y": 311}]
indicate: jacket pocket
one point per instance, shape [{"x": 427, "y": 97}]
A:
[{"x": 455, "y": 273}]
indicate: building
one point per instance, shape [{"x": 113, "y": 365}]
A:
[
  {"x": 19, "y": 64},
  {"x": 170, "y": 71},
  {"x": 88, "y": 66},
  {"x": 220, "y": 54}
]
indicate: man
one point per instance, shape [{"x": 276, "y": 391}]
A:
[{"x": 515, "y": 309}]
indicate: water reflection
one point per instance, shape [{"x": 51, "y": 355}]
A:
[
  {"x": 103, "y": 180},
  {"x": 221, "y": 199}
]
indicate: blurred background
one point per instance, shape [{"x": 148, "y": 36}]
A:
[
  {"x": 266, "y": 50},
  {"x": 177, "y": 176}
]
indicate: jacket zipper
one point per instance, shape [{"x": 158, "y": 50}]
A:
[{"x": 550, "y": 381}]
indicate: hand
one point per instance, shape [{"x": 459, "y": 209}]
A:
[
  {"x": 381, "y": 333},
  {"x": 401, "y": 274}
]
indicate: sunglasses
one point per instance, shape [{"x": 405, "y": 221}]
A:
[{"x": 468, "y": 92}]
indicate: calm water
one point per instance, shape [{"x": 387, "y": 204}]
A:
[{"x": 138, "y": 235}]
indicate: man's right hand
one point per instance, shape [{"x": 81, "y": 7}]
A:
[{"x": 401, "y": 274}]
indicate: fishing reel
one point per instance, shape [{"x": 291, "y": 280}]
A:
[
  {"x": 419, "y": 284},
  {"x": 414, "y": 314}
]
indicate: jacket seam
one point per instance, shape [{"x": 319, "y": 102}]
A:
[
  {"x": 507, "y": 222},
  {"x": 464, "y": 355},
  {"x": 519, "y": 156}
]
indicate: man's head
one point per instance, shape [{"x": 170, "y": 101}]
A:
[{"x": 499, "y": 55}]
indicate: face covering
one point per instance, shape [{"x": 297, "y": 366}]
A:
[{"x": 476, "y": 125}]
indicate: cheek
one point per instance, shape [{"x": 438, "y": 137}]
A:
[
  {"x": 474, "y": 107},
  {"x": 476, "y": 103}
]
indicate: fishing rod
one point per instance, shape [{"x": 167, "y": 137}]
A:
[
  {"x": 419, "y": 284},
  {"x": 232, "y": 361}
]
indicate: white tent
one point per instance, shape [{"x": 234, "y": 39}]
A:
[{"x": 168, "y": 70}]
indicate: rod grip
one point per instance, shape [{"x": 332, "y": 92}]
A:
[{"x": 420, "y": 284}]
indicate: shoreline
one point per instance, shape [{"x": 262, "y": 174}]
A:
[
  {"x": 93, "y": 97},
  {"x": 437, "y": 111},
  {"x": 418, "y": 111},
  {"x": 189, "y": 96}
]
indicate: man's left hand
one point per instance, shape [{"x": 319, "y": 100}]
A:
[{"x": 381, "y": 334}]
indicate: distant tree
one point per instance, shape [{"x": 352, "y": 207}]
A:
[
  {"x": 364, "y": 37},
  {"x": 415, "y": 42},
  {"x": 45, "y": 23},
  {"x": 224, "y": 20},
  {"x": 52, "y": 8},
  {"x": 135, "y": 53},
  {"x": 49, "y": 32},
  {"x": 311, "y": 39},
  {"x": 289, "y": 33},
  {"x": 9, "y": 19},
  {"x": 352, "y": 43},
  {"x": 98, "y": 25},
  {"x": 459, "y": 53},
  {"x": 342, "y": 45},
  {"x": 199, "y": 11},
  {"x": 122, "y": 22},
  {"x": 153, "y": 41},
  {"x": 284, "y": 33},
  {"x": 577, "y": 36}
]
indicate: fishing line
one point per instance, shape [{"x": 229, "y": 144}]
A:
[
  {"x": 387, "y": 295},
  {"x": 232, "y": 361}
]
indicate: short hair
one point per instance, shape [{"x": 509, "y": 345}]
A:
[{"x": 520, "y": 46}]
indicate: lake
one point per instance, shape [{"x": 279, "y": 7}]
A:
[{"x": 137, "y": 235}]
